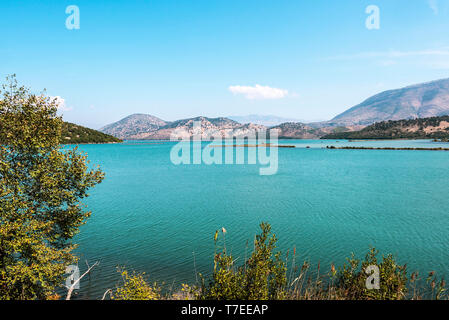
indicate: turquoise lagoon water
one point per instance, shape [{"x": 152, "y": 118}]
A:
[{"x": 155, "y": 217}]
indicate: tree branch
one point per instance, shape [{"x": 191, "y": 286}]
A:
[
  {"x": 72, "y": 287},
  {"x": 106, "y": 292}
]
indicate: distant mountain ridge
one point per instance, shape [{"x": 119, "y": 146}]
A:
[
  {"x": 417, "y": 101},
  {"x": 185, "y": 128},
  {"x": 133, "y": 125},
  {"x": 264, "y": 120},
  {"x": 424, "y": 100},
  {"x": 225, "y": 127},
  {"x": 221, "y": 122}
]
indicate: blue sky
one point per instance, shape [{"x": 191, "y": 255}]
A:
[{"x": 178, "y": 59}]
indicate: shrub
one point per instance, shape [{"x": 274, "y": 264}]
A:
[
  {"x": 135, "y": 288},
  {"x": 393, "y": 278},
  {"x": 262, "y": 277}
]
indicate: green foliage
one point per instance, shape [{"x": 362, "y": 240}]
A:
[
  {"x": 393, "y": 279},
  {"x": 340, "y": 129},
  {"x": 135, "y": 288},
  {"x": 73, "y": 134},
  {"x": 41, "y": 189},
  {"x": 262, "y": 277},
  {"x": 397, "y": 130}
]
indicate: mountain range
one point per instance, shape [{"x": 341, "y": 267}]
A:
[
  {"x": 424, "y": 100},
  {"x": 264, "y": 120},
  {"x": 185, "y": 127}
]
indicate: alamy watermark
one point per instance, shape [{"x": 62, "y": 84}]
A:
[
  {"x": 373, "y": 281},
  {"x": 253, "y": 147},
  {"x": 73, "y": 20},
  {"x": 373, "y": 20},
  {"x": 73, "y": 279}
]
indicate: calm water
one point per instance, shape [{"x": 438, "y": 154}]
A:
[{"x": 150, "y": 215}]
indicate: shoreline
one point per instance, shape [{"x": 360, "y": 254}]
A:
[
  {"x": 83, "y": 143},
  {"x": 267, "y": 145},
  {"x": 386, "y": 148},
  {"x": 317, "y": 139}
]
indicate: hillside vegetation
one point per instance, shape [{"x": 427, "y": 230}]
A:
[
  {"x": 74, "y": 134},
  {"x": 426, "y": 128}
]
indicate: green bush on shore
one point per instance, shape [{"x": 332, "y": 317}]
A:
[{"x": 264, "y": 276}]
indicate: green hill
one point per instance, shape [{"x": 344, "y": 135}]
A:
[
  {"x": 425, "y": 128},
  {"x": 75, "y": 134}
]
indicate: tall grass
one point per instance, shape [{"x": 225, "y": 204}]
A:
[{"x": 264, "y": 275}]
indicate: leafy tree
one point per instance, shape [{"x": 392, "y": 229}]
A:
[{"x": 41, "y": 189}]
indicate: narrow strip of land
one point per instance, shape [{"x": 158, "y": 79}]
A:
[
  {"x": 387, "y": 148},
  {"x": 266, "y": 145}
]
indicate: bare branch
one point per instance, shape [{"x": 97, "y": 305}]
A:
[
  {"x": 106, "y": 292},
  {"x": 72, "y": 287}
]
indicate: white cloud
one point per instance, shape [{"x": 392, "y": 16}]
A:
[
  {"x": 60, "y": 103},
  {"x": 259, "y": 92},
  {"x": 433, "y": 4}
]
